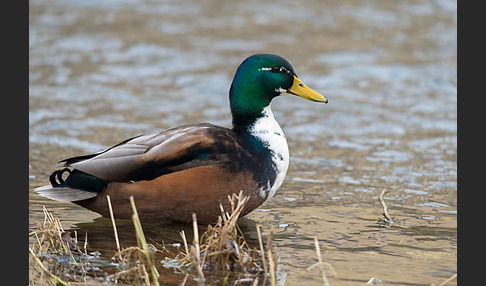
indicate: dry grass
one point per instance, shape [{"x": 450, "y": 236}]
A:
[
  {"x": 134, "y": 263},
  {"x": 55, "y": 255},
  {"x": 56, "y": 258},
  {"x": 222, "y": 247},
  {"x": 221, "y": 250}
]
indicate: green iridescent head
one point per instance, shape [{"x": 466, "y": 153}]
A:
[{"x": 258, "y": 80}]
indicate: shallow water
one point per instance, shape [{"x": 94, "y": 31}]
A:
[{"x": 103, "y": 72}]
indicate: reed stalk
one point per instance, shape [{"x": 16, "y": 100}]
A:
[{"x": 142, "y": 241}]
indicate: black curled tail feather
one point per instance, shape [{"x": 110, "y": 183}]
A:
[
  {"x": 77, "y": 180},
  {"x": 56, "y": 177}
]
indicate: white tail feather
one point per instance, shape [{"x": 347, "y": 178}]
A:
[{"x": 64, "y": 194}]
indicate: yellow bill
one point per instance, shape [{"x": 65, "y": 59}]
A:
[{"x": 300, "y": 89}]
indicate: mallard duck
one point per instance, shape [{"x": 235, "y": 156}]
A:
[{"x": 192, "y": 168}]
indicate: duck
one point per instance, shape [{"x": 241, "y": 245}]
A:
[{"x": 192, "y": 168}]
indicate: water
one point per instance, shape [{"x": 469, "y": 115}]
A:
[{"x": 100, "y": 72}]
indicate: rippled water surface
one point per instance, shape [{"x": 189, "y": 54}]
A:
[{"x": 103, "y": 71}]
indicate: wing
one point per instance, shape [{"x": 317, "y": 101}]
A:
[{"x": 146, "y": 157}]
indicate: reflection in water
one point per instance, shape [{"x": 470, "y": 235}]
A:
[{"x": 103, "y": 71}]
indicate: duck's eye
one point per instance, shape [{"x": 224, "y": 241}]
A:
[{"x": 276, "y": 69}]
